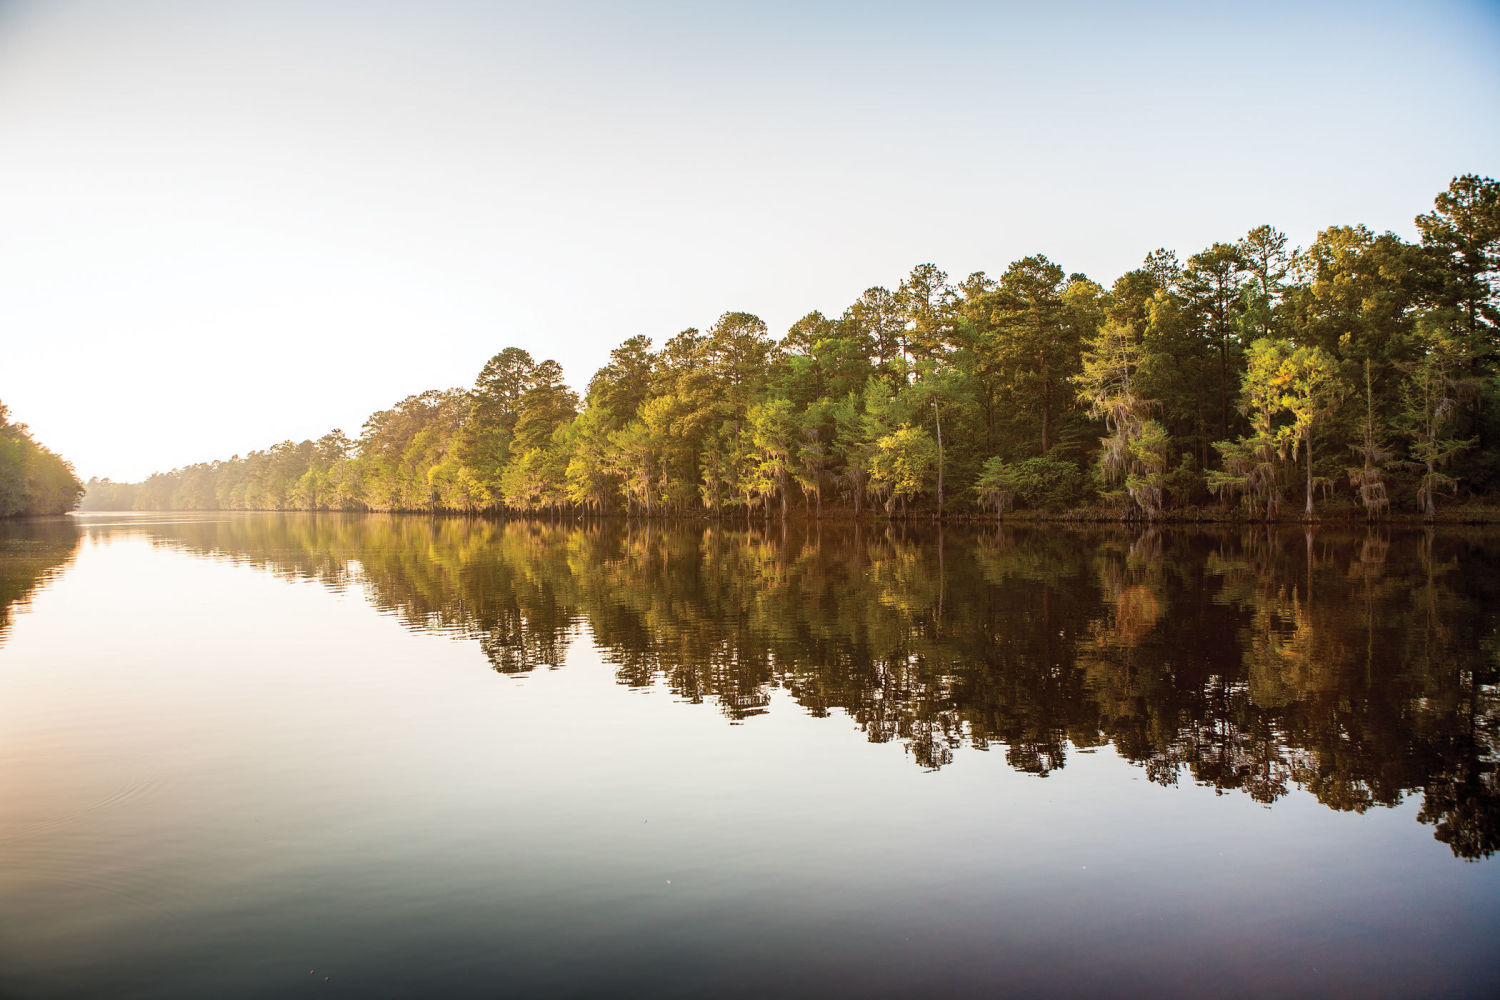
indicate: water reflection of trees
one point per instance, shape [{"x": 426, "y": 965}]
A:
[
  {"x": 1360, "y": 668},
  {"x": 31, "y": 554}
]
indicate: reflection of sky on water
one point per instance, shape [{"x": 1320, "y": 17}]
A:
[{"x": 215, "y": 781}]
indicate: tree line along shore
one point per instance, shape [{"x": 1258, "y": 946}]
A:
[
  {"x": 1358, "y": 376},
  {"x": 33, "y": 480}
]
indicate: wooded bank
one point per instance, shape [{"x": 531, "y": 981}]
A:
[{"x": 1355, "y": 377}]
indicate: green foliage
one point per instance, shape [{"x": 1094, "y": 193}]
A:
[
  {"x": 996, "y": 486},
  {"x": 1211, "y": 293},
  {"x": 1310, "y": 390},
  {"x": 1368, "y": 478},
  {"x": 1146, "y": 480},
  {"x": 589, "y": 478},
  {"x": 1136, "y": 448},
  {"x": 32, "y": 479},
  {"x": 1185, "y": 484},
  {"x": 1045, "y": 482},
  {"x": 1229, "y": 372},
  {"x": 1461, "y": 236},
  {"x": 1034, "y": 339},
  {"x": 1252, "y": 463},
  {"x": 1429, "y": 394},
  {"x": 773, "y": 434},
  {"x": 904, "y": 465}
]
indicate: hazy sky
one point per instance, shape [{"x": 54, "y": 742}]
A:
[{"x": 224, "y": 224}]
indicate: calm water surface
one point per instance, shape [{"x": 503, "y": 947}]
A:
[{"x": 250, "y": 755}]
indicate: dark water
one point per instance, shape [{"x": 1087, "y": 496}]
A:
[{"x": 252, "y": 755}]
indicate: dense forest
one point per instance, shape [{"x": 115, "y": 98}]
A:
[
  {"x": 1359, "y": 375},
  {"x": 32, "y": 479},
  {"x": 1361, "y": 668}
]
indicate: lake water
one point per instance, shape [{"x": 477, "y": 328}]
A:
[{"x": 251, "y": 755}]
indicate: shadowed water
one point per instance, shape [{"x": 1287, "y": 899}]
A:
[{"x": 1240, "y": 761}]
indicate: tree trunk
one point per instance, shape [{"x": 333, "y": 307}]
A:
[
  {"x": 1046, "y": 415},
  {"x": 1309, "y": 511},
  {"x": 1429, "y": 508},
  {"x": 937, "y": 420},
  {"x": 1224, "y": 386}
]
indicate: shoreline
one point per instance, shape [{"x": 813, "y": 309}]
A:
[{"x": 1475, "y": 515}]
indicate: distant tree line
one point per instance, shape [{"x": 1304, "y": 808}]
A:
[
  {"x": 32, "y": 479},
  {"x": 1361, "y": 373}
]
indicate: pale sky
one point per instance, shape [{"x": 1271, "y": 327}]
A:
[{"x": 224, "y": 224}]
